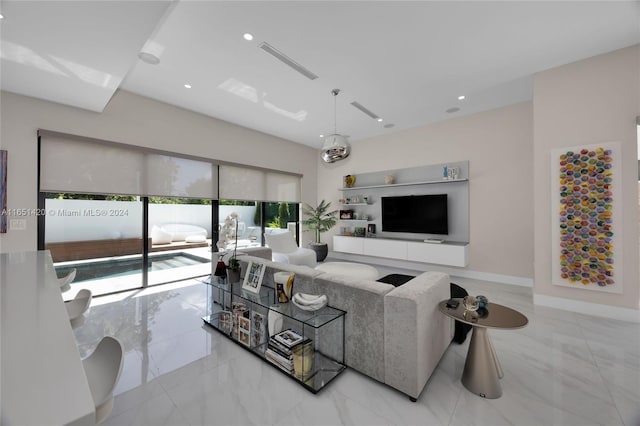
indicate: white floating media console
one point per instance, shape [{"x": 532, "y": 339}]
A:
[{"x": 446, "y": 253}]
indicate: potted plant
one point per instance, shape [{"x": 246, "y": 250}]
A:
[
  {"x": 233, "y": 267},
  {"x": 319, "y": 219}
]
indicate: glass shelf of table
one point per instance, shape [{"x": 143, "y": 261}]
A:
[{"x": 243, "y": 317}]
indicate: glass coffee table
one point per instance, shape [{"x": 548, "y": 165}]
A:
[{"x": 482, "y": 370}]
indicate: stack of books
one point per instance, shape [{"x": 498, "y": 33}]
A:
[{"x": 280, "y": 348}]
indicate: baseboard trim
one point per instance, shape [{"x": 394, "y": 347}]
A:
[
  {"x": 454, "y": 272},
  {"x": 588, "y": 308}
]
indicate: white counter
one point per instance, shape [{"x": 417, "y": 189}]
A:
[{"x": 41, "y": 374}]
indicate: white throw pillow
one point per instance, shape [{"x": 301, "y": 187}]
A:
[{"x": 282, "y": 242}]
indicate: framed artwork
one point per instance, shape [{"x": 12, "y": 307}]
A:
[
  {"x": 244, "y": 331},
  {"x": 586, "y": 217},
  {"x": 253, "y": 277},
  {"x": 225, "y": 321},
  {"x": 258, "y": 329},
  {"x": 3, "y": 191}
]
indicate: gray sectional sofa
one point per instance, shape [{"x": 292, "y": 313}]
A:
[{"x": 394, "y": 335}]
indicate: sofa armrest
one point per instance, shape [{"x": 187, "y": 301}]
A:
[
  {"x": 416, "y": 333},
  {"x": 363, "y": 301}
]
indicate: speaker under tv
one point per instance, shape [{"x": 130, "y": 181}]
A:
[{"x": 419, "y": 214}]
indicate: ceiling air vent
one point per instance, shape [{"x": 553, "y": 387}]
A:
[
  {"x": 365, "y": 110},
  {"x": 287, "y": 60}
]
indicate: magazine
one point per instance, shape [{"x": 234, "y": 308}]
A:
[{"x": 289, "y": 338}]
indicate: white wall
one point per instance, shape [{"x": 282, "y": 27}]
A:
[
  {"x": 134, "y": 120},
  {"x": 498, "y": 145},
  {"x": 588, "y": 102}
]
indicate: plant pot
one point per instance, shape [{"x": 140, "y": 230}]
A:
[
  {"x": 233, "y": 275},
  {"x": 321, "y": 249}
]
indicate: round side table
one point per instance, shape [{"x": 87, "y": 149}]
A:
[{"x": 482, "y": 370}]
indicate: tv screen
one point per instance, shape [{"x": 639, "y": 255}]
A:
[{"x": 421, "y": 214}]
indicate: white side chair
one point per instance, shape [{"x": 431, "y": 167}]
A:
[
  {"x": 103, "y": 368},
  {"x": 285, "y": 250},
  {"x": 67, "y": 279},
  {"x": 79, "y": 304}
]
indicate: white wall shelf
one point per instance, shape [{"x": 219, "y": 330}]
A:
[
  {"x": 353, "y": 220},
  {"x": 426, "y": 182},
  {"x": 355, "y": 204}
]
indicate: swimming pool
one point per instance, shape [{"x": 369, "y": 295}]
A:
[{"x": 110, "y": 268}]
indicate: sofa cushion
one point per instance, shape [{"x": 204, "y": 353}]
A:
[{"x": 282, "y": 242}]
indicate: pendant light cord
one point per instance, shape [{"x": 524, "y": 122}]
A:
[
  {"x": 335, "y": 114},
  {"x": 335, "y": 93}
]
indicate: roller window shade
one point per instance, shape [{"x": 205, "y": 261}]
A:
[
  {"x": 282, "y": 187},
  {"x": 85, "y": 167},
  {"x": 92, "y": 167},
  {"x": 180, "y": 177},
  {"x": 241, "y": 183}
]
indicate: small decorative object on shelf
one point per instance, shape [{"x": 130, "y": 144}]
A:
[
  {"x": 275, "y": 320},
  {"x": 253, "y": 277},
  {"x": 453, "y": 173},
  {"x": 365, "y": 199},
  {"x": 303, "y": 359},
  {"x": 471, "y": 316},
  {"x": 371, "y": 229},
  {"x": 346, "y": 214},
  {"x": 283, "y": 282},
  {"x": 359, "y": 231},
  {"x": 349, "y": 181},
  {"x": 309, "y": 302},
  {"x": 470, "y": 303},
  {"x": 227, "y": 234},
  {"x": 445, "y": 173},
  {"x": 221, "y": 268},
  {"x": 388, "y": 179},
  {"x": 482, "y": 301},
  {"x": 239, "y": 310},
  {"x": 225, "y": 321},
  {"x": 244, "y": 331},
  {"x": 258, "y": 329}
]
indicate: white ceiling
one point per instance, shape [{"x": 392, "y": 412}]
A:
[{"x": 405, "y": 61}]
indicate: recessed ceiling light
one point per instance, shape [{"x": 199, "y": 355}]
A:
[
  {"x": 379, "y": 120},
  {"x": 461, "y": 97},
  {"x": 149, "y": 58},
  {"x": 188, "y": 86},
  {"x": 247, "y": 36},
  {"x": 454, "y": 109},
  {"x": 1, "y": 16},
  {"x": 322, "y": 136}
]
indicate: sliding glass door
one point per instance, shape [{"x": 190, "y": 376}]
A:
[
  {"x": 180, "y": 232},
  {"x": 99, "y": 236}
]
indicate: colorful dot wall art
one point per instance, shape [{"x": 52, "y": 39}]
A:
[{"x": 585, "y": 209}]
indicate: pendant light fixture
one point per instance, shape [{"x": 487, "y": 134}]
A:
[{"x": 336, "y": 147}]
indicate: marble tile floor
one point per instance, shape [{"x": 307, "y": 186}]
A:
[{"x": 562, "y": 369}]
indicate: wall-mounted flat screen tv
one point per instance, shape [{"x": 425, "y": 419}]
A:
[{"x": 420, "y": 214}]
